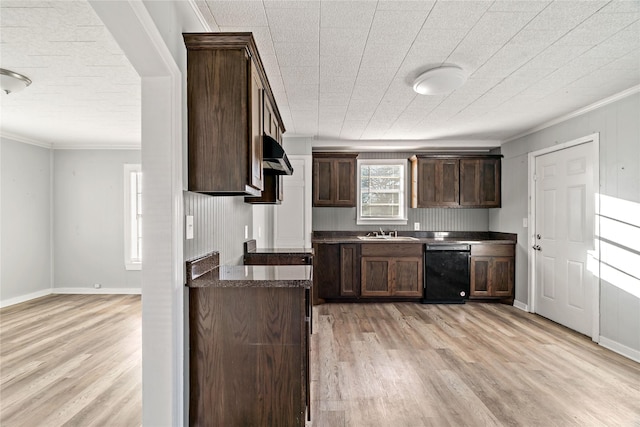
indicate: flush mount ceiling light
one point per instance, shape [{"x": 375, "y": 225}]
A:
[
  {"x": 440, "y": 81},
  {"x": 12, "y": 82}
]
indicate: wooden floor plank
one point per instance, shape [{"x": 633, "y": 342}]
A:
[
  {"x": 71, "y": 360},
  {"x": 463, "y": 365}
]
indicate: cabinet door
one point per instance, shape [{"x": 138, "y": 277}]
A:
[
  {"x": 323, "y": 182},
  {"x": 326, "y": 271},
  {"x": 255, "y": 152},
  {"x": 407, "y": 277},
  {"x": 348, "y": 270},
  {"x": 376, "y": 277},
  {"x": 501, "y": 277},
  {"x": 489, "y": 192},
  {"x": 438, "y": 182},
  {"x": 345, "y": 182},
  {"x": 480, "y": 284},
  {"x": 480, "y": 182}
]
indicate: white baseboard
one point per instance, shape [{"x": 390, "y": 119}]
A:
[
  {"x": 622, "y": 349},
  {"x": 24, "y": 298},
  {"x": 45, "y": 292},
  {"x": 522, "y": 306},
  {"x": 100, "y": 291}
]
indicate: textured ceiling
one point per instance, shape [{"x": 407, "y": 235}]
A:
[
  {"x": 342, "y": 69},
  {"x": 84, "y": 91}
]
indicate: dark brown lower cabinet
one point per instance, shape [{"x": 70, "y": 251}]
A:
[
  {"x": 492, "y": 271},
  {"x": 248, "y": 356},
  {"x": 391, "y": 270},
  {"x": 336, "y": 271}
]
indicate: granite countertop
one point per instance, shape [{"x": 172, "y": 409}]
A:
[
  {"x": 422, "y": 237},
  {"x": 250, "y": 249},
  {"x": 205, "y": 272},
  {"x": 282, "y": 251}
]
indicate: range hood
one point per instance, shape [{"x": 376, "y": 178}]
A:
[{"x": 274, "y": 159}]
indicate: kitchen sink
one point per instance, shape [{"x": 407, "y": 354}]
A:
[{"x": 385, "y": 238}]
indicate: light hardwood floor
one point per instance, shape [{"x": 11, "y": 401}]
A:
[
  {"x": 75, "y": 360},
  {"x": 407, "y": 364},
  {"x": 72, "y": 360}
]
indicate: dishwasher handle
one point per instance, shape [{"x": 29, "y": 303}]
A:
[{"x": 447, "y": 247}]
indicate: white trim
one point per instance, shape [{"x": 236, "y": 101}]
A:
[
  {"x": 100, "y": 291},
  {"x": 128, "y": 168},
  {"x": 622, "y": 349},
  {"x": 592, "y": 138},
  {"x": 203, "y": 21},
  {"x": 606, "y": 101},
  {"x": 80, "y": 146},
  {"x": 25, "y": 140},
  {"x": 24, "y": 298},
  {"x": 522, "y": 306},
  {"x": 472, "y": 145}
]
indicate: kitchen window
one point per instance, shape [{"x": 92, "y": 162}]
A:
[
  {"x": 133, "y": 216},
  {"x": 381, "y": 192}
]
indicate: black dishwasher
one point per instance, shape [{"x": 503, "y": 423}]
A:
[{"x": 446, "y": 273}]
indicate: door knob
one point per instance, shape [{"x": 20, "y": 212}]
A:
[
  {"x": 537, "y": 247},
  {"x": 538, "y": 236}
]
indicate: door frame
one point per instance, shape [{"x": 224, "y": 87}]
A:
[
  {"x": 594, "y": 139},
  {"x": 308, "y": 163}
]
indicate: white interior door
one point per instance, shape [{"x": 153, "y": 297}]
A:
[
  {"x": 563, "y": 235},
  {"x": 292, "y": 218}
]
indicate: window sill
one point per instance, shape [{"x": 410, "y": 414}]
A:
[
  {"x": 382, "y": 221},
  {"x": 133, "y": 266}
]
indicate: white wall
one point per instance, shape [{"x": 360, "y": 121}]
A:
[
  {"x": 619, "y": 129},
  {"x": 25, "y": 199},
  {"x": 88, "y": 220}
]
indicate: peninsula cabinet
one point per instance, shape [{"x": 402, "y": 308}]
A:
[
  {"x": 227, "y": 90},
  {"x": 334, "y": 179},
  {"x": 492, "y": 271},
  {"x": 391, "y": 270},
  {"x": 455, "y": 181}
]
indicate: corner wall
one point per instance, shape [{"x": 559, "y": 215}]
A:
[
  {"x": 619, "y": 129},
  {"x": 25, "y": 198}
]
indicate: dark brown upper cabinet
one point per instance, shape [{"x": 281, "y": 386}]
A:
[
  {"x": 480, "y": 182},
  {"x": 227, "y": 90},
  {"x": 334, "y": 179},
  {"x": 272, "y": 193},
  {"x": 454, "y": 181}
]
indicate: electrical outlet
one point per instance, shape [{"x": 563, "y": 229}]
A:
[
  {"x": 416, "y": 226},
  {"x": 188, "y": 223},
  {"x": 97, "y": 285},
  {"x": 525, "y": 222}
]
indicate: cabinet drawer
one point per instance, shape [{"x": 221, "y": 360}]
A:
[
  {"x": 492, "y": 250},
  {"x": 391, "y": 249}
]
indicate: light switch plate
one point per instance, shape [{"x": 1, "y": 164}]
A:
[
  {"x": 188, "y": 224},
  {"x": 246, "y": 231},
  {"x": 525, "y": 222},
  {"x": 416, "y": 226}
]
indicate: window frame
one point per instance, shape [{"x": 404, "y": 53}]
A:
[
  {"x": 401, "y": 219},
  {"x": 130, "y": 262}
]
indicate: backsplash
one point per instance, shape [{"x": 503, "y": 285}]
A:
[
  {"x": 433, "y": 219},
  {"x": 218, "y": 224}
]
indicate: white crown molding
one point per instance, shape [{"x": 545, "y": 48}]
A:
[
  {"x": 80, "y": 146},
  {"x": 25, "y": 140},
  {"x": 606, "y": 101},
  {"x": 404, "y": 145}
]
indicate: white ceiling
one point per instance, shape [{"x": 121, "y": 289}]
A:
[{"x": 341, "y": 69}]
